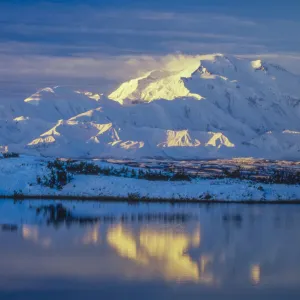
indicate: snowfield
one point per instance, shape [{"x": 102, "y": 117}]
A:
[
  {"x": 219, "y": 107},
  {"x": 18, "y": 177}
]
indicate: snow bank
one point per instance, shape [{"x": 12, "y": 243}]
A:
[{"x": 19, "y": 175}]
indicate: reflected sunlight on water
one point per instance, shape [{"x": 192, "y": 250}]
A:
[
  {"x": 260, "y": 248},
  {"x": 255, "y": 274},
  {"x": 92, "y": 236}
]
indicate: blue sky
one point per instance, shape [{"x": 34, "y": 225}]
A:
[{"x": 98, "y": 44}]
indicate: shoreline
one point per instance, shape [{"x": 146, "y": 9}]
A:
[
  {"x": 33, "y": 178},
  {"x": 145, "y": 200}
]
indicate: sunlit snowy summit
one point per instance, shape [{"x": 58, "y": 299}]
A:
[{"x": 215, "y": 106}]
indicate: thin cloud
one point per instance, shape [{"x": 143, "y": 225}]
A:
[{"x": 50, "y": 43}]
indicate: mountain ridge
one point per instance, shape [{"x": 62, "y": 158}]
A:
[{"x": 222, "y": 106}]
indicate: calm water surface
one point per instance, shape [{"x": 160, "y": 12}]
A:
[{"x": 148, "y": 251}]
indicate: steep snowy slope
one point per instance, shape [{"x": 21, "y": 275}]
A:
[
  {"x": 219, "y": 107},
  {"x": 85, "y": 139},
  {"x": 49, "y": 104},
  {"x": 21, "y": 129},
  {"x": 21, "y": 121},
  {"x": 158, "y": 129},
  {"x": 249, "y": 91},
  {"x": 52, "y": 104},
  {"x": 285, "y": 144}
]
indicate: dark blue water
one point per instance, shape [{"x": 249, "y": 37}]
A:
[{"x": 160, "y": 251}]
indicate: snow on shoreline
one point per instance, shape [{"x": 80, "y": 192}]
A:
[{"x": 19, "y": 175}]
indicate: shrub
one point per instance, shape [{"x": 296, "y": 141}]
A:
[
  {"x": 233, "y": 174},
  {"x": 38, "y": 180},
  {"x": 154, "y": 176},
  {"x": 285, "y": 177},
  {"x": 18, "y": 194},
  {"x": 134, "y": 196},
  {"x": 58, "y": 176},
  {"x": 206, "y": 196},
  {"x": 180, "y": 176},
  {"x": 10, "y": 155},
  {"x": 133, "y": 173}
]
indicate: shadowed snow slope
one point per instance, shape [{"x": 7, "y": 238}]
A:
[
  {"x": 221, "y": 107},
  {"x": 59, "y": 103}
]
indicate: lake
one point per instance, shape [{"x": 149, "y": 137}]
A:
[{"x": 105, "y": 250}]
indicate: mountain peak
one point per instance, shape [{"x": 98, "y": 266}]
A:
[
  {"x": 224, "y": 106},
  {"x": 59, "y": 102},
  {"x": 164, "y": 84}
]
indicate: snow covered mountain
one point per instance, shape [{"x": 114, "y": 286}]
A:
[
  {"x": 219, "y": 107},
  {"x": 56, "y": 103}
]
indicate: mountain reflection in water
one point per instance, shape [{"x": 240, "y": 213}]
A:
[
  {"x": 215, "y": 248},
  {"x": 161, "y": 249}
]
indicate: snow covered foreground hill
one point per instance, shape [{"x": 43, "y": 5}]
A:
[{"x": 218, "y": 107}]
